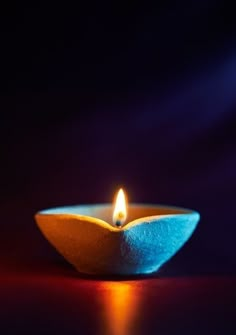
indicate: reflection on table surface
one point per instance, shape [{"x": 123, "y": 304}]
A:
[
  {"x": 120, "y": 305},
  {"x": 67, "y": 304}
]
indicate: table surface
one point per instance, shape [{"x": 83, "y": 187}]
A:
[{"x": 54, "y": 299}]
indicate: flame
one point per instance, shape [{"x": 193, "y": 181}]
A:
[{"x": 120, "y": 212}]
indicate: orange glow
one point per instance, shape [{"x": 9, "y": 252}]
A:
[
  {"x": 121, "y": 307},
  {"x": 120, "y": 211}
]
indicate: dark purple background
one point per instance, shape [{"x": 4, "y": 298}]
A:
[{"x": 104, "y": 95}]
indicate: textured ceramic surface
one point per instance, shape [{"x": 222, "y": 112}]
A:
[{"x": 84, "y": 237}]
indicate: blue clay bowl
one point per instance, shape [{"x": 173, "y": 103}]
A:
[{"x": 87, "y": 239}]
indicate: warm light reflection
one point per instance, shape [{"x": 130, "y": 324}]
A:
[
  {"x": 120, "y": 212},
  {"x": 121, "y": 305}
]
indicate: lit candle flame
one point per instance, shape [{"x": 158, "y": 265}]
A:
[{"x": 120, "y": 212}]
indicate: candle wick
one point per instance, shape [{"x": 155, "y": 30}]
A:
[{"x": 118, "y": 223}]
